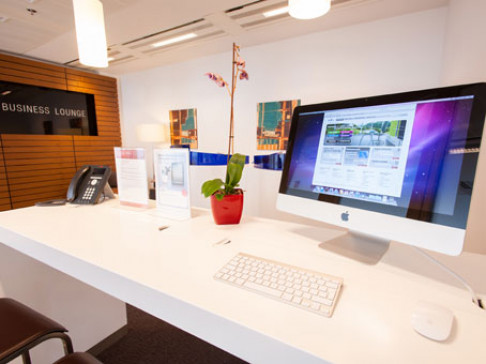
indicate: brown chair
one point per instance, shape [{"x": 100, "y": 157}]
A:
[
  {"x": 78, "y": 358},
  {"x": 22, "y": 328}
]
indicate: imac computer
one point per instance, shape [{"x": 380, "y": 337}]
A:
[{"x": 395, "y": 167}]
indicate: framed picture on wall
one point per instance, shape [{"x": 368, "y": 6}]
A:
[
  {"x": 183, "y": 127},
  {"x": 274, "y": 120}
]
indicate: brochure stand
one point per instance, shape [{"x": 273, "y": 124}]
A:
[
  {"x": 131, "y": 174},
  {"x": 172, "y": 183}
]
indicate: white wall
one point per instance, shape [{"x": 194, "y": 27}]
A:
[
  {"x": 390, "y": 55},
  {"x": 465, "y": 48}
]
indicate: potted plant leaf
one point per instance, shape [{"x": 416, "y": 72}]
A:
[{"x": 226, "y": 198}]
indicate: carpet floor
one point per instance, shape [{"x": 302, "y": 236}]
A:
[{"x": 152, "y": 341}]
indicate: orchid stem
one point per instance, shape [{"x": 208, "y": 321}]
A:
[{"x": 233, "y": 87}]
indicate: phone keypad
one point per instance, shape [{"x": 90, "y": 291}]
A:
[
  {"x": 88, "y": 194},
  {"x": 90, "y": 185}
]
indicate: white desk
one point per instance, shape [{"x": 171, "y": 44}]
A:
[{"x": 169, "y": 275}]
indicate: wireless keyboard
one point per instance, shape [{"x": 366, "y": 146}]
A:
[{"x": 309, "y": 290}]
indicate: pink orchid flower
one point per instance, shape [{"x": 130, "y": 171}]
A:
[
  {"x": 216, "y": 78},
  {"x": 240, "y": 62},
  {"x": 243, "y": 75}
]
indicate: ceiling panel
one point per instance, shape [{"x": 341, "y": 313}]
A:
[{"x": 132, "y": 27}]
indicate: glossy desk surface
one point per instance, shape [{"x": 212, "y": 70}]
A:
[{"x": 169, "y": 274}]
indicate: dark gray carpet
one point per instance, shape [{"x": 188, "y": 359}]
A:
[{"x": 152, "y": 341}]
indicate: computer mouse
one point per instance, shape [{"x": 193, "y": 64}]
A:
[{"x": 432, "y": 320}]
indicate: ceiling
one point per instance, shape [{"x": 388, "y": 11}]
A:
[{"x": 46, "y": 31}]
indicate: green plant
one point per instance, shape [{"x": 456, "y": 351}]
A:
[
  {"x": 235, "y": 164},
  {"x": 234, "y": 171}
]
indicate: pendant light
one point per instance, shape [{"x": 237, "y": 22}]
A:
[
  {"x": 90, "y": 33},
  {"x": 308, "y": 9}
]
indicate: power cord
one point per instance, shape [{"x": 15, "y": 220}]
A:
[{"x": 476, "y": 300}]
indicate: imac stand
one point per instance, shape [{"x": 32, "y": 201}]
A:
[
  {"x": 354, "y": 245},
  {"x": 357, "y": 246}
]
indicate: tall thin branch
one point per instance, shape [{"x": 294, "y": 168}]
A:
[{"x": 233, "y": 86}]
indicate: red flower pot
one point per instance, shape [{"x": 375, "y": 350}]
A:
[{"x": 228, "y": 210}]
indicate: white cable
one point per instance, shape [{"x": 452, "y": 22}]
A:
[{"x": 476, "y": 300}]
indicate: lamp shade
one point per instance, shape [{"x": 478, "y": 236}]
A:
[
  {"x": 308, "y": 9},
  {"x": 152, "y": 133},
  {"x": 90, "y": 33}
]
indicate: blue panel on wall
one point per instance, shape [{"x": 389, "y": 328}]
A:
[
  {"x": 210, "y": 159},
  {"x": 273, "y": 161}
]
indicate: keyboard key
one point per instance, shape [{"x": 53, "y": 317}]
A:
[
  {"x": 324, "y": 301},
  {"x": 287, "y": 296},
  {"x": 266, "y": 290}
]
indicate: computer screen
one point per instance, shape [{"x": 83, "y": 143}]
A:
[{"x": 399, "y": 167}]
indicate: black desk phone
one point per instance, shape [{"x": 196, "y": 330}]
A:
[{"x": 89, "y": 185}]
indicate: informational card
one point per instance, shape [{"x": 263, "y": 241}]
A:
[
  {"x": 131, "y": 174},
  {"x": 172, "y": 183}
]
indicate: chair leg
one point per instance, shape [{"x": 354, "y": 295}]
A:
[
  {"x": 24, "y": 352},
  {"x": 26, "y": 357},
  {"x": 67, "y": 344}
]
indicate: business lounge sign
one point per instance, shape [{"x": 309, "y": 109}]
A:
[
  {"x": 38, "y": 110},
  {"x": 43, "y": 110}
]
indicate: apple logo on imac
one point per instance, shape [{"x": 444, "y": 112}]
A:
[{"x": 345, "y": 216}]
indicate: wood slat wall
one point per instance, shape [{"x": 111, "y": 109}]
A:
[
  {"x": 39, "y": 167},
  {"x": 5, "y": 203},
  {"x": 34, "y": 171},
  {"x": 95, "y": 150},
  {"x": 106, "y": 99},
  {"x": 13, "y": 69}
]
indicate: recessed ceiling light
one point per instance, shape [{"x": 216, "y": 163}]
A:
[
  {"x": 276, "y": 12},
  {"x": 308, "y": 9},
  {"x": 174, "y": 40}
]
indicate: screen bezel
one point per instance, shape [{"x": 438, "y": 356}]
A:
[{"x": 408, "y": 230}]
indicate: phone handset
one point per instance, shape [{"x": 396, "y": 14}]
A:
[{"x": 75, "y": 184}]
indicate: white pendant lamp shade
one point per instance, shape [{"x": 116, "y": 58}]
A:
[
  {"x": 308, "y": 9},
  {"x": 90, "y": 33}
]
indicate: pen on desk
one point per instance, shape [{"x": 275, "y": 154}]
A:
[
  {"x": 222, "y": 241},
  {"x": 163, "y": 227}
]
